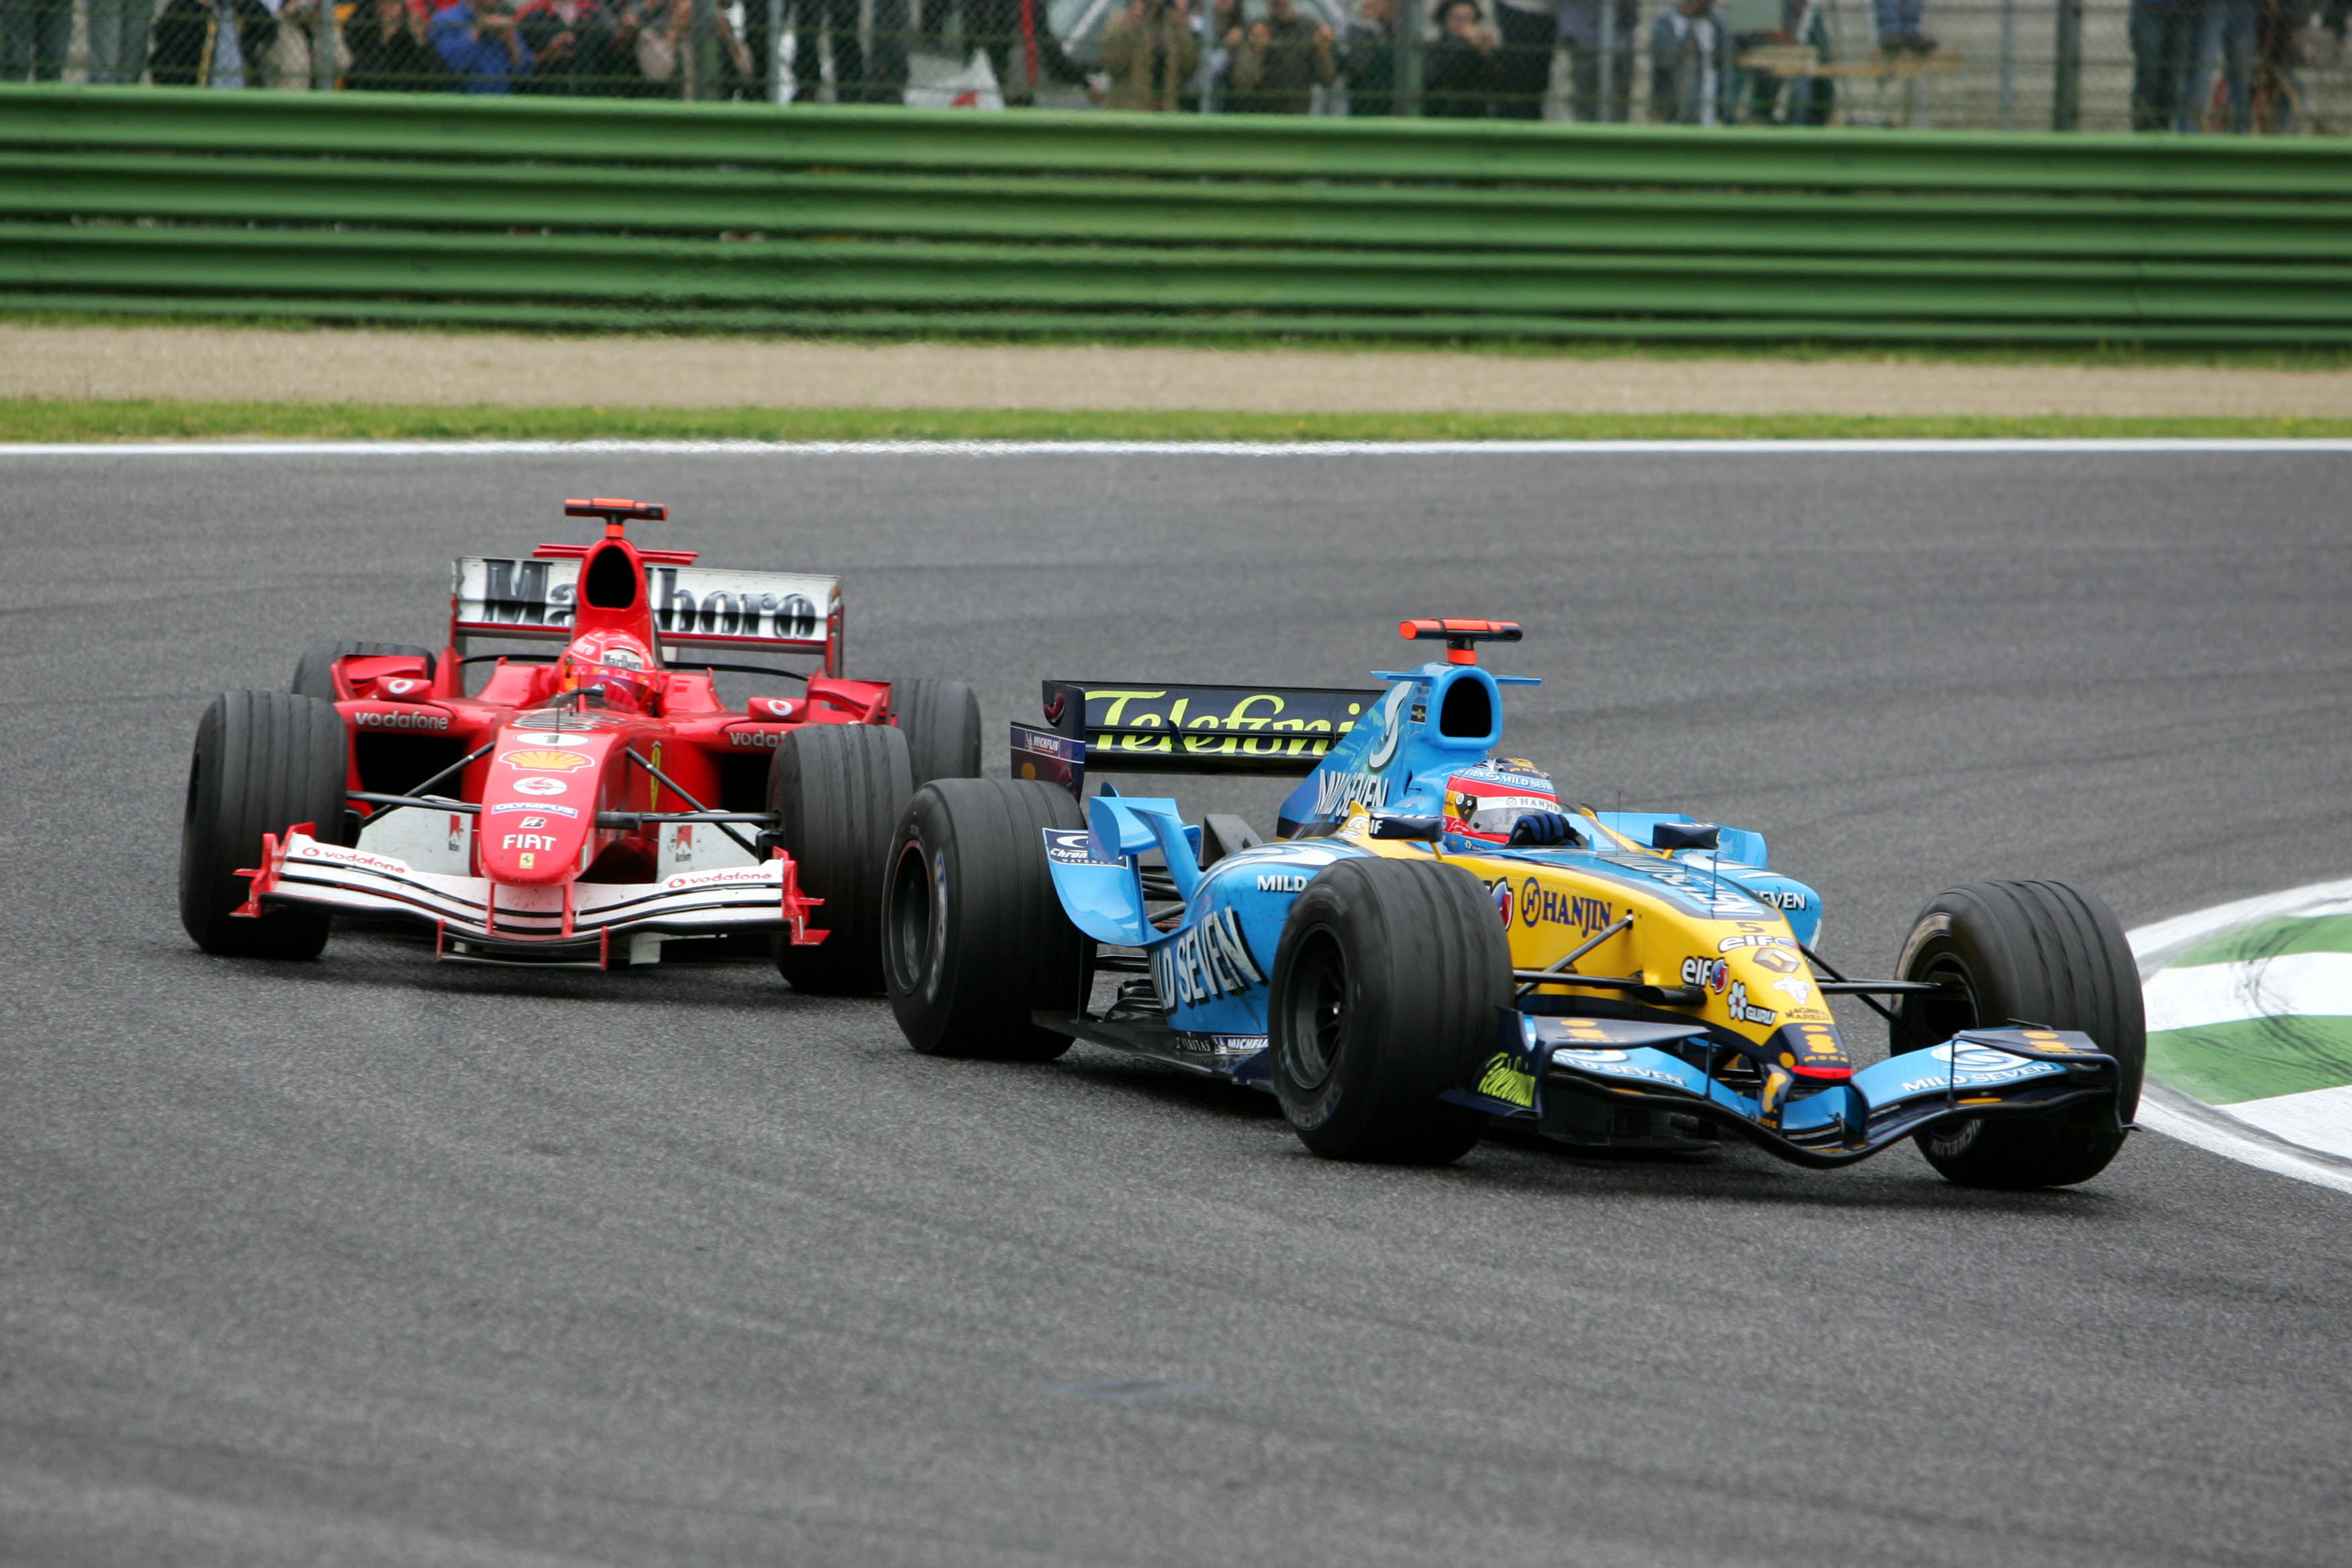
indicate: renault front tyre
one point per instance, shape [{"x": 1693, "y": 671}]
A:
[
  {"x": 1383, "y": 997},
  {"x": 837, "y": 791},
  {"x": 2034, "y": 952},
  {"x": 976, "y": 943},
  {"x": 264, "y": 762}
]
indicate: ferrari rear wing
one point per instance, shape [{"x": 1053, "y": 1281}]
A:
[
  {"x": 1159, "y": 728},
  {"x": 532, "y": 599}
]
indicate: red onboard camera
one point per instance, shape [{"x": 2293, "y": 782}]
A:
[{"x": 1461, "y": 638}]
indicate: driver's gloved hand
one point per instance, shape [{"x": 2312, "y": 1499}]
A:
[{"x": 1542, "y": 828}]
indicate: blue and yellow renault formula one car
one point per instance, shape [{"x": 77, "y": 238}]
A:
[{"x": 1436, "y": 943}]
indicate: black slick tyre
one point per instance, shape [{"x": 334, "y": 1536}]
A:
[
  {"x": 1383, "y": 997},
  {"x": 837, "y": 791},
  {"x": 941, "y": 720},
  {"x": 976, "y": 937},
  {"x": 314, "y": 672},
  {"x": 264, "y": 762},
  {"x": 2043, "y": 952},
  {"x": 1223, "y": 834}
]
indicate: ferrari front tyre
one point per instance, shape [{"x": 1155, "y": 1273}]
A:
[
  {"x": 941, "y": 720},
  {"x": 976, "y": 941},
  {"x": 2033, "y": 952},
  {"x": 314, "y": 672},
  {"x": 264, "y": 761},
  {"x": 1383, "y": 997},
  {"x": 837, "y": 791}
]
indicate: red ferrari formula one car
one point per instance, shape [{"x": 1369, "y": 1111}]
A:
[{"x": 593, "y": 799}]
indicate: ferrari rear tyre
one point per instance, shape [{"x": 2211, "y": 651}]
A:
[
  {"x": 1383, "y": 997},
  {"x": 941, "y": 720},
  {"x": 2038, "y": 953},
  {"x": 976, "y": 940},
  {"x": 314, "y": 672},
  {"x": 264, "y": 761},
  {"x": 837, "y": 791}
]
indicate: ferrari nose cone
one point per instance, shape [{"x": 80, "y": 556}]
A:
[
  {"x": 538, "y": 809},
  {"x": 547, "y": 760}
]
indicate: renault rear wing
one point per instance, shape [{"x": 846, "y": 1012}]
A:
[{"x": 1157, "y": 727}]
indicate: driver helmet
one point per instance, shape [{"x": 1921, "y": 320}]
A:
[
  {"x": 613, "y": 669},
  {"x": 1487, "y": 801}
]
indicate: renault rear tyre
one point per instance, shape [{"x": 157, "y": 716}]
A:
[
  {"x": 1383, "y": 997},
  {"x": 976, "y": 940},
  {"x": 837, "y": 791},
  {"x": 264, "y": 762},
  {"x": 2037, "y": 953},
  {"x": 1223, "y": 834}
]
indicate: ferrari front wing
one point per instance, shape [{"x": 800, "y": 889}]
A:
[{"x": 477, "y": 919}]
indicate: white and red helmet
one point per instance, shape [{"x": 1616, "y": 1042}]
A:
[
  {"x": 615, "y": 668},
  {"x": 1486, "y": 802}
]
